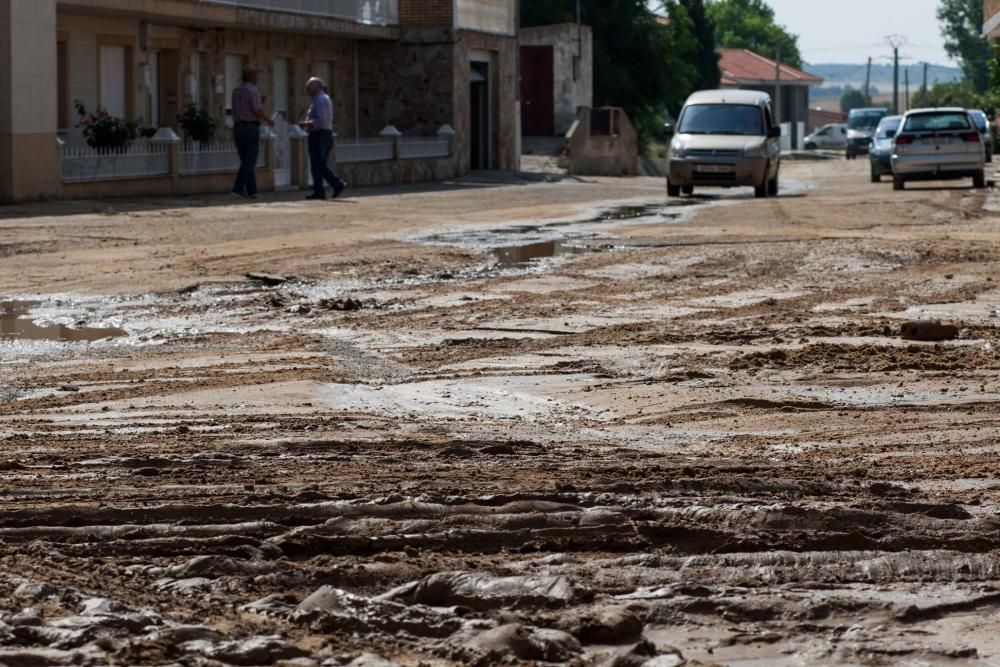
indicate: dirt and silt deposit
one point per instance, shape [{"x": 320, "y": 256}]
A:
[{"x": 503, "y": 422}]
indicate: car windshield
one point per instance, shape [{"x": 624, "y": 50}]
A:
[
  {"x": 887, "y": 128},
  {"x": 722, "y": 119},
  {"x": 865, "y": 120},
  {"x": 935, "y": 122}
]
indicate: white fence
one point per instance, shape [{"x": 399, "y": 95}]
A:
[
  {"x": 140, "y": 159},
  {"x": 364, "y": 150},
  {"x": 215, "y": 158},
  {"x": 375, "y": 12},
  {"x": 415, "y": 148}
]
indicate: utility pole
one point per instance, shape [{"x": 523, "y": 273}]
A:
[
  {"x": 777, "y": 87},
  {"x": 895, "y": 41},
  {"x": 868, "y": 84},
  {"x": 907, "y": 88},
  {"x": 925, "y": 79}
]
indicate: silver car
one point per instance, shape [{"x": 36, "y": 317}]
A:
[
  {"x": 725, "y": 138},
  {"x": 938, "y": 144}
]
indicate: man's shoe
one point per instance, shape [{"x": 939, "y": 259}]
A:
[
  {"x": 238, "y": 195},
  {"x": 251, "y": 196},
  {"x": 340, "y": 188},
  {"x": 319, "y": 197}
]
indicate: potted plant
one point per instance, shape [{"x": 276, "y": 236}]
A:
[
  {"x": 198, "y": 124},
  {"x": 103, "y": 131}
]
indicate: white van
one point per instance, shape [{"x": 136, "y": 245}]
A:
[{"x": 725, "y": 138}]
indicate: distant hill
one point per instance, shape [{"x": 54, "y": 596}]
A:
[{"x": 838, "y": 76}]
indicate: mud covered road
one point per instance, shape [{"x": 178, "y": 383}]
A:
[{"x": 501, "y": 422}]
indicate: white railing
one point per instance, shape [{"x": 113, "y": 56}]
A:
[
  {"x": 375, "y": 12},
  {"x": 140, "y": 159},
  {"x": 415, "y": 148},
  {"x": 364, "y": 150},
  {"x": 215, "y": 158}
]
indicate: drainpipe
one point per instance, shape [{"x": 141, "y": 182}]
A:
[{"x": 357, "y": 95}]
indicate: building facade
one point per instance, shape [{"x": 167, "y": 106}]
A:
[
  {"x": 424, "y": 89},
  {"x": 991, "y": 19},
  {"x": 788, "y": 87}
]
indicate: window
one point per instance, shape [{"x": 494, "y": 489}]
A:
[
  {"x": 234, "y": 78},
  {"x": 113, "y": 95},
  {"x": 738, "y": 119},
  {"x": 932, "y": 122},
  {"x": 63, "y": 66},
  {"x": 280, "y": 85}
]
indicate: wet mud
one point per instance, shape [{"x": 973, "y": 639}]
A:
[{"x": 707, "y": 444}]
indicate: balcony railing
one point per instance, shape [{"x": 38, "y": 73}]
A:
[{"x": 373, "y": 12}]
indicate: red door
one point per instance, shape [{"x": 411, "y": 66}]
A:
[{"x": 537, "y": 91}]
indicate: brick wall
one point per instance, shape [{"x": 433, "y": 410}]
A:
[{"x": 427, "y": 13}]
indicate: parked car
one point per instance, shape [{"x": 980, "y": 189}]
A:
[
  {"x": 725, "y": 138},
  {"x": 833, "y": 135},
  {"x": 861, "y": 124},
  {"x": 938, "y": 144},
  {"x": 880, "y": 151},
  {"x": 983, "y": 124}
]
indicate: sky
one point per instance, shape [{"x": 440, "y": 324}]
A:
[{"x": 848, "y": 31}]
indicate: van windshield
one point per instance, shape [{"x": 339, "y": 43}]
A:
[
  {"x": 865, "y": 120},
  {"x": 740, "y": 119}
]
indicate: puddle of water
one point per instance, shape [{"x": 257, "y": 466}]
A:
[
  {"x": 14, "y": 324},
  {"x": 519, "y": 255}
]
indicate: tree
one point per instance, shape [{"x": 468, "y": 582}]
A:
[
  {"x": 707, "y": 56},
  {"x": 955, "y": 94},
  {"x": 852, "y": 99},
  {"x": 750, "y": 24},
  {"x": 962, "y": 28},
  {"x": 641, "y": 64}
]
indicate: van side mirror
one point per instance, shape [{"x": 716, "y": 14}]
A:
[
  {"x": 668, "y": 129},
  {"x": 774, "y": 132}
]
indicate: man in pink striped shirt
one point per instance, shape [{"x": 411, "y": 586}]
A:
[{"x": 248, "y": 114}]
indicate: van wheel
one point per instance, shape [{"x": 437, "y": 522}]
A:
[
  {"x": 876, "y": 177},
  {"x": 673, "y": 190},
  {"x": 772, "y": 187},
  {"x": 810, "y": 146},
  {"x": 688, "y": 190},
  {"x": 979, "y": 180},
  {"x": 898, "y": 183}
]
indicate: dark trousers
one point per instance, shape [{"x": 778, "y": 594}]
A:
[
  {"x": 320, "y": 147},
  {"x": 247, "y": 137}
]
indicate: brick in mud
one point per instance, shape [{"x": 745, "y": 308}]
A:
[{"x": 928, "y": 331}]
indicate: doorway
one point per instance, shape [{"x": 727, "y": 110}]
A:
[
  {"x": 480, "y": 106},
  {"x": 538, "y": 91},
  {"x": 169, "y": 81}
]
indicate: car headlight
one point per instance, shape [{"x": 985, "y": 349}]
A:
[
  {"x": 760, "y": 150},
  {"x": 678, "y": 150}
]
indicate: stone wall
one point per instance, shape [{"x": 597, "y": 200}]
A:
[{"x": 408, "y": 84}]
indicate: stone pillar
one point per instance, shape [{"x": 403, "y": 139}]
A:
[
  {"x": 390, "y": 132},
  {"x": 29, "y": 100},
  {"x": 167, "y": 137}
]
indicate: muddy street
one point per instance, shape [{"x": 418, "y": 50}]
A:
[{"x": 499, "y": 421}]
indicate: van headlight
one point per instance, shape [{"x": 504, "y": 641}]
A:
[
  {"x": 678, "y": 150},
  {"x": 760, "y": 150}
]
